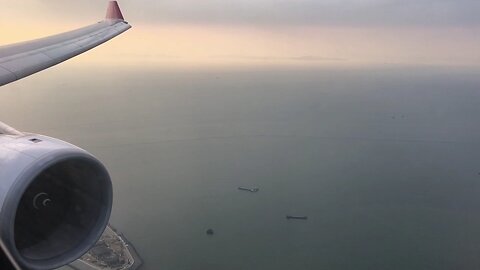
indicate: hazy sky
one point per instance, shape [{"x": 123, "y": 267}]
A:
[{"x": 301, "y": 32}]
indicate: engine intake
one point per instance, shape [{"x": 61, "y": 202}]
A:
[{"x": 57, "y": 206}]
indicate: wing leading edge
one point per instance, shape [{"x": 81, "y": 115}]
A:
[{"x": 23, "y": 59}]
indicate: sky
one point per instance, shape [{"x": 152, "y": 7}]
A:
[{"x": 265, "y": 32}]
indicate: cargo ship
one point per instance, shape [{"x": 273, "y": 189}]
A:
[
  {"x": 249, "y": 189},
  {"x": 297, "y": 217}
]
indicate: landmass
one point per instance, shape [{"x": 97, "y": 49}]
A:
[{"x": 112, "y": 252}]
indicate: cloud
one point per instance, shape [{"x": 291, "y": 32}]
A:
[
  {"x": 303, "y": 58},
  {"x": 320, "y": 12},
  {"x": 272, "y": 12}
]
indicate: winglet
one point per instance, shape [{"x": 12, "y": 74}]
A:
[{"x": 114, "y": 12}]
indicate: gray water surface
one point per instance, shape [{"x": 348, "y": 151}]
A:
[{"x": 385, "y": 162}]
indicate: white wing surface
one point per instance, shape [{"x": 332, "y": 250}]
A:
[
  {"x": 23, "y": 59},
  {"x": 82, "y": 190}
]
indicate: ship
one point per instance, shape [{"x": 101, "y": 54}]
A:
[
  {"x": 297, "y": 217},
  {"x": 249, "y": 189}
]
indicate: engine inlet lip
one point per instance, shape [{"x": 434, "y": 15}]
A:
[{"x": 12, "y": 200}]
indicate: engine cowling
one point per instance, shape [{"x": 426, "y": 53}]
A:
[{"x": 55, "y": 200}]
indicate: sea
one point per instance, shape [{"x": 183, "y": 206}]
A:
[{"x": 384, "y": 161}]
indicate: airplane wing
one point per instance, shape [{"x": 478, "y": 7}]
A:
[
  {"x": 29, "y": 240},
  {"x": 23, "y": 59}
]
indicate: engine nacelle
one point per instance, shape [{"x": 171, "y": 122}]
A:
[{"x": 55, "y": 200}]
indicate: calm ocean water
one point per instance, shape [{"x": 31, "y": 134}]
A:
[{"x": 385, "y": 162}]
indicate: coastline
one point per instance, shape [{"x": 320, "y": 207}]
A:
[{"x": 112, "y": 252}]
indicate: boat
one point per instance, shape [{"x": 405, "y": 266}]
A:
[
  {"x": 297, "y": 217},
  {"x": 249, "y": 189}
]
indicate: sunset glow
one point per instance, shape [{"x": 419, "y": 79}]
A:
[{"x": 182, "y": 43}]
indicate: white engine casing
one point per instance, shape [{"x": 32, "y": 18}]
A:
[{"x": 55, "y": 200}]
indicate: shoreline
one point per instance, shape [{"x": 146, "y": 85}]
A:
[{"x": 112, "y": 252}]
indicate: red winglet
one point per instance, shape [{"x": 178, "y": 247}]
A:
[{"x": 113, "y": 11}]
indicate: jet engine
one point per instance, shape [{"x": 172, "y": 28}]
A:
[{"x": 55, "y": 199}]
